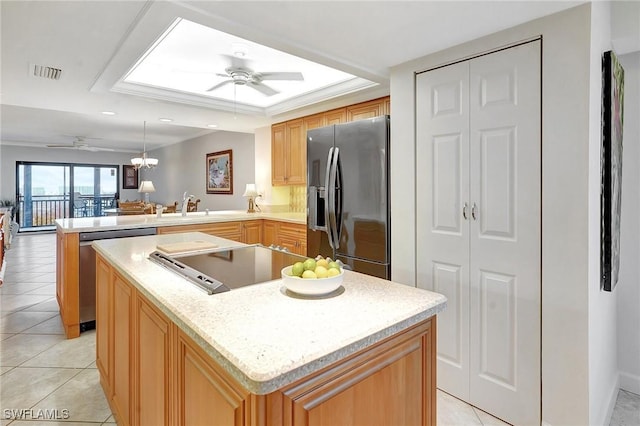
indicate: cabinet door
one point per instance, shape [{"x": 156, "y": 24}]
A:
[
  {"x": 297, "y": 153},
  {"x": 391, "y": 384},
  {"x": 104, "y": 295},
  {"x": 278, "y": 155},
  {"x": 269, "y": 229},
  {"x": 293, "y": 237},
  {"x": 206, "y": 394},
  {"x": 122, "y": 314},
  {"x": 153, "y": 346},
  {"x": 336, "y": 116},
  {"x": 252, "y": 232},
  {"x": 313, "y": 122},
  {"x": 364, "y": 110}
]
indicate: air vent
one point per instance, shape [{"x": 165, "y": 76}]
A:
[{"x": 42, "y": 71}]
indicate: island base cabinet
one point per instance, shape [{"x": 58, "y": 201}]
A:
[
  {"x": 153, "y": 373},
  {"x": 392, "y": 383},
  {"x": 205, "y": 394}
]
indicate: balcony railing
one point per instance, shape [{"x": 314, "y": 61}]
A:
[{"x": 43, "y": 210}]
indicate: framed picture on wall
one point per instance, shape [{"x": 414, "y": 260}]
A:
[
  {"x": 129, "y": 177},
  {"x": 220, "y": 172},
  {"x": 611, "y": 169}
]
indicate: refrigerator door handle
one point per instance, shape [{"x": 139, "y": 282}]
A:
[
  {"x": 333, "y": 220},
  {"x": 328, "y": 208}
]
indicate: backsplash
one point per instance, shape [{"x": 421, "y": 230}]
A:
[{"x": 298, "y": 198}]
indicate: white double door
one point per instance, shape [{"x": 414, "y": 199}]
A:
[{"x": 479, "y": 226}]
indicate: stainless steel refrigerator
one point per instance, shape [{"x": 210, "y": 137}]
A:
[{"x": 348, "y": 194}]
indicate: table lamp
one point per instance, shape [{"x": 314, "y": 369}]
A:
[
  {"x": 146, "y": 186},
  {"x": 251, "y": 193}
]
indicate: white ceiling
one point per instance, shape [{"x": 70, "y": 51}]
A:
[{"x": 96, "y": 42}]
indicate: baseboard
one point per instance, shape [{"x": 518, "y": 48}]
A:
[
  {"x": 630, "y": 382},
  {"x": 611, "y": 404}
]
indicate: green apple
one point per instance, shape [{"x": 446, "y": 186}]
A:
[
  {"x": 297, "y": 269},
  {"x": 309, "y": 265},
  {"x": 332, "y": 272}
]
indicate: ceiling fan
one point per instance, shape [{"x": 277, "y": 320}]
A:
[
  {"x": 240, "y": 74},
  {"x": 80, "y": 144}
]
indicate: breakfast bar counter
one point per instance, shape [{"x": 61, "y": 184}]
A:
[
  {"x": 259, "y": 352},
  {"x": 75, "y": 286}
]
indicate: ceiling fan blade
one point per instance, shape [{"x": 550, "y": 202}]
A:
[
  {"x": 61, "y": 146},
  {"x": 94, "y": 148},
  {"x": 263, "y": 88},
  {"x": 297, "y": 76},
  {"x": 219, "y": 85}
]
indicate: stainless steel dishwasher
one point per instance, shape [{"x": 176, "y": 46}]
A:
[{"x": 87, "y": 277}]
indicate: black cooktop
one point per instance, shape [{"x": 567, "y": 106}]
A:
[{"x": 224, "y": 270}]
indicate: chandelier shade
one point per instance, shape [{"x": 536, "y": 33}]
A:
[{"x": 144, "y": 161}]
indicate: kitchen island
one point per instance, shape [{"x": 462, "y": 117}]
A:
[
  {"x": 168, "y": 353},
  {"x": 287, "y": 230}
]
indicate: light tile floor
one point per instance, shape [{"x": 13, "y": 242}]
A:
[{"x": 43, "y": 372}]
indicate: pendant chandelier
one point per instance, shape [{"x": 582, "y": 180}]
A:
[{"x": 144, "y": 161}]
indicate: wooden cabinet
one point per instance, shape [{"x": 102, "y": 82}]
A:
[
  {"x": 335, "y": 116},
  {"x": 122, "y": 307},
  {"x": 68, "y": 282},
  {"x": 364, "y": 110},
  {"x": 391, "y": 383},
  {"x": 252, "y": 232},
  {"x": 206, "y": 395},
  {"x": 291, "y": 236},
  {"x": 289, "y": 139},
  {"x": 153, "y": 347},
  {"x": 160, "y": 376},
  {"x": 230, "y": 230},
  {"x": 288, "y": 153},
  {"x": 104, "y": 319}
]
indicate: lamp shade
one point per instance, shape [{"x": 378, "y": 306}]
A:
[
  {"x": 146, "y": 186},
  {"x": 250, "y": 190}
]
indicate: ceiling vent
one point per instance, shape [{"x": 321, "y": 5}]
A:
[{"x": 42, "y": 71}]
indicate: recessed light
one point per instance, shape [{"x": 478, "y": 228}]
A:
[
  {"x": 108, "y": 113},
  {"x": 166, "y": 120},
  {"x": 213, "y": 126}
]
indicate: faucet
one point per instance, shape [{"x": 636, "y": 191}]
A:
[{"x": 185, "y": 202}]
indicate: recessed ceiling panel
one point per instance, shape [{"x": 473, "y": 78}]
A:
[{"x": 199, "y": 60}]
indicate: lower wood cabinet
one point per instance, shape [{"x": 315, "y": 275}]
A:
[
  {"x": 291, "y": 236},
  {"x": 153, "y": 373},
  {"x": 153, "y": 350}
]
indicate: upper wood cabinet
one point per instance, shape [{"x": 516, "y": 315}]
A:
[
  {"x": 289, "y": 139},
  {"x": 364, "y": 110},
  {"x": 288, "y": 153},
  {"x": 335, "y": 116}
]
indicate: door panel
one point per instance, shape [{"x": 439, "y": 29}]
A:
[
  {"x": 497, "y": 183},
  {"x": 505, "y": 237},
  {"x": 442, "y": 233}
]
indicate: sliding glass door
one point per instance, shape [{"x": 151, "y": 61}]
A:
[{"x": 49, "y": 191}]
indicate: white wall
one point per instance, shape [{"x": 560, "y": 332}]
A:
[
  {"x": 567, "y": 199},
  {"x": 603, "y": 358},
  {"x": 182, "y": 167},
  {"x": 9, "y": 154},
  {"x": 627, "y": 290}
]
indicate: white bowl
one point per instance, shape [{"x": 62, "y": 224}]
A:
[{"x": 310, "y": 286}]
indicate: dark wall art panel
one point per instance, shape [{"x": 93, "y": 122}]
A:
[{"x": 611, "y": 169}]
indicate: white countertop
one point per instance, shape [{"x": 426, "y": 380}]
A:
[
  {"x": 263, "y": 337},
  {"x": 106, "y": 223}
]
